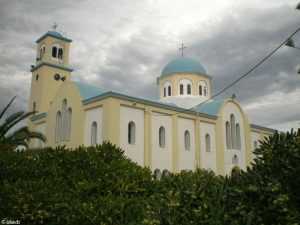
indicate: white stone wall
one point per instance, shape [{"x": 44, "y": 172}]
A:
[
  {"x": 208, "y": 159},
  {"x": 91, "y": 115},
  {"x": 228, "y": 109},
  {"x": 185, "y": 101},
  {"x": 161, "y": 156},
  {"x": 186, "y": 157},
  {"x": 134, "y": 151},
  {"x": 41, "y": 127}
]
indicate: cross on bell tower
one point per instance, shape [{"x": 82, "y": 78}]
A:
[
  {"x": 54, "y": 26},
  {"x": 181, "y": 49}
]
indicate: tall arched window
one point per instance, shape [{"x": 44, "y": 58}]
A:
[
  {"x": 238, "y": 136},
  {"x": 131, "y": 133},
  {"x": 233, "y": 133},
  {"x": 189, "y": 89},
  {"x": 181, "y": 89},
  {"x": 169, "y": 91},
  {"x": 58, "y": 127},
  {"x": 200, "y": 89},
  {"x": 157, "y": 174},
  {"x": 228, "y": 136},
  {"x": 60, "y": 53},
  {"x": 162, "y": 137},
  {"x": 165, "y": 92},
  {"x": 64, "y": 119},
  {"x": 54, "y": 52},
  {"x": 94, "y": 133},
  {"x": 207, "y": 142},
  {"x": 69, "y": 122},
  {"x": 187, "y": 140}
]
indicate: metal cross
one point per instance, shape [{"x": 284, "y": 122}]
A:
[
  {"x": 54, "y": 26},
  {"x": 181, "y": 49}
]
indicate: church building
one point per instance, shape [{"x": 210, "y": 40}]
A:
[{"x": 171, "y": 134}]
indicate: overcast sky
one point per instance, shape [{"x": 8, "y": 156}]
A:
[{"x": 124, "y": 45}]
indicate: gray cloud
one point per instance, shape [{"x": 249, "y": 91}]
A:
[{"x": 124, "y": 45}]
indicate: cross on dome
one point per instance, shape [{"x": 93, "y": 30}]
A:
[{"x": 181, "y": 49}]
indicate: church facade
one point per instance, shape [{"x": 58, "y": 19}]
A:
[{"x": 172, "y": 134}]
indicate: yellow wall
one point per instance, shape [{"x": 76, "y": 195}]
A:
[
  {"x": 69, "y": 92},
  {"x": 48, "y": 42},
  {"x": 44, "y": 88}
]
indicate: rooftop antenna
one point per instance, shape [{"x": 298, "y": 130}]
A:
[{"x": 181, "y": 49}]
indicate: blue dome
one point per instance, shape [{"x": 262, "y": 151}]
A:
[{"x": 183, "y": 65}]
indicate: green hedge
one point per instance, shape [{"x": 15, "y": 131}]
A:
[{"x": 99, "y": 185}]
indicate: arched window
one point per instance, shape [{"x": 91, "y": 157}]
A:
[
  {"x": 58, "y": 127},
  {"x": 162, "y": 137},
  {"x": 200, "y": 89},
  {"x": 169, "y": 91},
  {"x": 69, "y": 122},
  {"x": 235, "y": 160},
  {"x": 238, "y": 136},
  {"x": 189, "y": 89},
  {"x": 60, "y": 53},
  {"x": 94, "y": 133},
  {"x": 255, "y": 145},
  {"x": 187, "y": 140},
  {"x": 228, "y": 136},
  {"x": 165, "y": 92},
  {"x": 233, "y": 133},
  {"x": 131, "y": 133},
  {"x": 181, "y": 89},
  {"x": 157, "y": 174},
  {"x": 54, "y": 52},
  {"x": 207, "y": 142},
  {"x": 165, "y": 173},
  {"x": 64, "y": 119}
]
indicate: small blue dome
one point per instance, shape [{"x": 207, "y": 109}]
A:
[{"x": 183, "y": 65}]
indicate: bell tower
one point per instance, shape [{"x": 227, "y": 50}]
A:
[{"x": 51, "y": 69}]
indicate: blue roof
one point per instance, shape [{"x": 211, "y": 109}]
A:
[
  {"x": 55, "y": 35},
  {"x": 211, "y": 108},
  {"x": 91, "y": 93},
  {"x": 183, "y": 65},
  {"x": 88, "y": 91}
]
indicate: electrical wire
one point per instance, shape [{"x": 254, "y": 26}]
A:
[{"x": 237, "y": 80}]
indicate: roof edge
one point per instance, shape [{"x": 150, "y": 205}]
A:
[
  {"x": 263, "y": 128},
  {"x": 143, "y": 101},
  {"x": 52, "y": 65},
  {"x": 175, "y": 73},
  {"x": 54, "y": 36}
]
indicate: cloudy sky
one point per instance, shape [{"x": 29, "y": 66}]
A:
[{"x": 124, "y": 45}]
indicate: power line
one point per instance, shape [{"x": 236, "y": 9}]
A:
[
  {"x": 240, "y": 78},
  {"x": 247, "y": 73}
]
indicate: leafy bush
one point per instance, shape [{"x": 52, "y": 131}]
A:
[{"x": 99, "y": 185}]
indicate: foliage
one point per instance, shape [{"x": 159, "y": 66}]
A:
[
  {"x": 20, "y": 136},
  {"x": 99, "y": 185}
]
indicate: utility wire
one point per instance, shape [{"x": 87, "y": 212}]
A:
[
  {"x": 246, "y": 74},
  {"x": 236, "y": 81}
]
